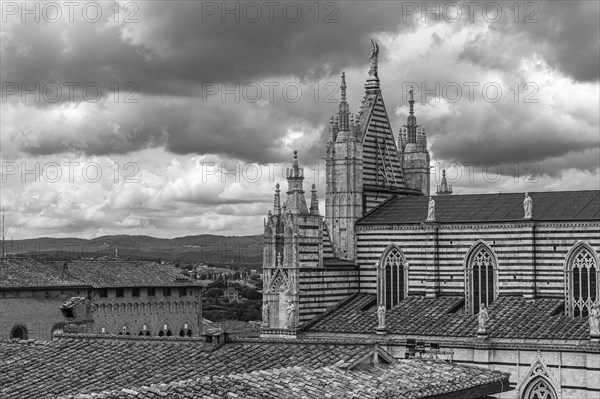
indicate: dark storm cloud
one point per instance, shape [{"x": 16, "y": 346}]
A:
[
  {"x": 177, "y": 46},
  {"x": 565, "y": 33},
  {"x": 508, "y": 133},
  {"x": 172, "y": 52}
]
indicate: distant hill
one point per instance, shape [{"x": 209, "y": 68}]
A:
[{"x": 211, "y": 249}]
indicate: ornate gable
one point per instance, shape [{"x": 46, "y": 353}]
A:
[{"x": 539, "y": 382}]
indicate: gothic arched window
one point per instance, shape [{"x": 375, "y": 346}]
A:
[
  {"x": 582, "y": 275},
  {"x": 186, "y": 330},
  {"x": 480, "y": 277},
  {"x": 539, "y": 388},
  {"x": 392, "y": 277}
]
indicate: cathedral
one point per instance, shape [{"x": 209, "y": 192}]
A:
[{"x": 504, "y": 281}]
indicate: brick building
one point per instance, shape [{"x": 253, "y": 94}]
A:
[
  {"x": 129, "y": 298},
  {"x": 431, "y": 265}
]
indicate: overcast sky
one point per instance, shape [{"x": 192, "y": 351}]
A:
[{"x": 153, "y": 95}]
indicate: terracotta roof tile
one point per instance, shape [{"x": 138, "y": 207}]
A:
[
  {"x": 405, "y": 379},
  {"x": 120, "y": 273},
  {"x": 69, "y": 365},
  {"x": 28, "y": 273},
  {"x": 510, "y": 317}
]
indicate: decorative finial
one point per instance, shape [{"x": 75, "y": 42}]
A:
[
  {"x": 295, "y": 155},
  {"x": 374, "y": 54},
  {"x": 277, "y": 201},
  {"x": 372, "y": 84}
]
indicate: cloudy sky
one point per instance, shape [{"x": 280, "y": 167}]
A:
[{"x": 177, "y": 118}]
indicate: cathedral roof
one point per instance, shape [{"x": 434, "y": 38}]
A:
[
  {"x": 499, "y": 207},
  {"x": 510, "y": 317},
  {"x": 86, "y": 366}
]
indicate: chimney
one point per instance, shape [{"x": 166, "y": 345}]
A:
[{"x": 78, "y": 314}]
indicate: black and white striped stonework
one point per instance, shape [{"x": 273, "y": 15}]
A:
[
  {"x": 381, "y": 165},
  {"x": 322, "y": 288},
  {"x": 530, "y": 254}
]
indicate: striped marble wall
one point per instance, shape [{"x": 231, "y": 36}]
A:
[
  {"x": 322, "y": 288},
  {"x": 530, "y": 255},
  {"x": 379, "y": 150}
]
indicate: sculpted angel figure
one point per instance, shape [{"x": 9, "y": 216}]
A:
[
  {"x": 527, "y": 206},
  {"x": 265, "y": 314},
  {"x": 291, "y": 313},
  {"x": 594, "y": 321},
  {"x": 373, "y": 58},
  {"x": 483, "y": 317},
  {"x": 431, "y": 209},
  {"x": 381, "y": 315}
]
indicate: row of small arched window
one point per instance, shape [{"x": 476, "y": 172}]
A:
[{"x": 164, "y": 331}]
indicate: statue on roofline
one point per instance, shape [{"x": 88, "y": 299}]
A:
[
  {"x": 373, "y": 58},
  {"x": 431, "y": 210},
  {"x": 483, "y": 318},
  {"x": 265, "y": 315},
  {"x": 381, "y": 315},
  {"x": 291, "y": 314},
  {"x": 527, "y": 206},
  {"x": 594, "y": 321}
]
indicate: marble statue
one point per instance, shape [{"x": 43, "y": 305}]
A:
[
  {"x": 374, "y": 53},
  {"x": 265, "y": 315},
  {"x": 267, "y": 282},
  {"x": 381, "y": 315},
  {"x": 594, "y": 321},
  {"x": 527, "y": 206},
  {"x": 483, "y": 318},
  {"x": 291, "y": 313},
  {"x": 431, "y": 209}
]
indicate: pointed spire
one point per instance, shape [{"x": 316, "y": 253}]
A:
[
  {"x": 343, "y": 112},
  {"x": 296, "y": 203},
  {"x": 277, "y": 201},
  {"x": 373, "y": 79},
  {"x": 444, "y": 188},
  {"x": 343, "y": 87},
  {"x": 411, "y": 121},
  {"x": 314, "y": 201},
  {"x": 411, "y": 101}
]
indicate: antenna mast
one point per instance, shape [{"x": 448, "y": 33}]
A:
[{"x": 3, "y": 225}]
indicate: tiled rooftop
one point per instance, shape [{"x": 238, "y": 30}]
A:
[
  {"x": 28, "y": 273},
  {"x": 510, "y": 317},
  {"x": 547, "y": 206},
  {"x": 70, "y": 365},
  {"x": 405, "y": 379},
  {"x": 138, "y": 367},
  {"x": 120, "y": 273}
]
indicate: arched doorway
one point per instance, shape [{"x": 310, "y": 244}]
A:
[{"x": 19, "y": 332}]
